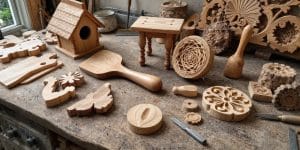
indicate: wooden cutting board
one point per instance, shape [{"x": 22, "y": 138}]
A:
[
  {"x": 106, "y": 64},
  {"x": 13, "y": 75}
]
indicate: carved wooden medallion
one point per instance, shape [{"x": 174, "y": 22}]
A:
[
  {"x": 226, "y": 103},
  {"x": 192, "y": 58}
]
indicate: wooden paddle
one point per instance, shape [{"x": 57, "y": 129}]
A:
[{"x": 106, "y": 64}]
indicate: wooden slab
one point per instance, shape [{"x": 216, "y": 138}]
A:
[
  {"x": 226, "y": 103},
  {"x": 144, "y": 118},
  {"x": 158, "y": 25},
  {"x": 19, "y": 72},
  {"x": 29, "y": 47},
  {"x": 53, "y": 97},
  {"x": 99, "y": 101},
  {"x": 106, "y": 64},
  {"x": 42, "y": 73},
  {"x": 259, "y": 93}
]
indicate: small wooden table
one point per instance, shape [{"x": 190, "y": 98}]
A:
[{"x": 155, "y": 27}]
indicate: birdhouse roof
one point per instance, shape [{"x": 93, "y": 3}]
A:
[{"x": 67, "y": 16}]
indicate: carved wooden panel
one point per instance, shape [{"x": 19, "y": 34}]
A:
[
  {"x": 273, "y": 21},
  {"x": 287, "y": 97}
]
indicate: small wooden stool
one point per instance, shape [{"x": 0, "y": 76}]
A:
[{"x": 155, "y": 27}]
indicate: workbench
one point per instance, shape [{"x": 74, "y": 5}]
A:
[{"x": 111, "y": 130}]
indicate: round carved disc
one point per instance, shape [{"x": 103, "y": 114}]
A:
[
  {"x": 192, "y": 58},
  {"x": 226, "y": 103},
  {"x": 284, "y": 34},
  {"x": 190, "y": 105},
  {"x": 144, "y": 118}
]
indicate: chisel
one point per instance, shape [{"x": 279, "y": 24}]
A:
[
  {"x": 189, "y": 131},
  {"x": 293, "y": 139},
  {"x": 291, "y": 119}
]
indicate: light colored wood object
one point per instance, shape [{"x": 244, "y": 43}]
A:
[
  {"x": 274, "y": 74},
  {"x": 190, "y": 105},
  {"x": 72, "y": 79},
  {"x": 17, "y": 73},
  {"x": 29, "y": 33},
  {"x": 106, "y": 64},
  {"x": 144, "y": 119},
  {"x": 287, "y": 97},
  {"x": 226, "y": 103},
  {"x": 50, "y": 38},
  {"x": 53, "y": 97},
  {"x": 192, "y": 118},
  {"x": 235, "y": 63},
  {"x": 99, "y": 101},
  {"x": 259, "y": 93},
  {"x": 29, "y": 47},
  {"x": 273, "y": 21},
  {"x": 42, "y": 73},
  {"x": 154, "y": 27},
  {"x": 76, "y": 29},
  {"x": 192, "y": 58},
  {"x": 186, "y": 90},
  {"x": 9, "y": 41}
]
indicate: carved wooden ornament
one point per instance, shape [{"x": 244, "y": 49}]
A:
[
  {"x": 192, "y": 118},
  {"x": 72, "y": 79},
  {"x": 30, "y": 47},
  {"x": 259, "y": 93},
  {"x": 144, "y": 118},
  {"x": 190, "y": 105},
  {"x": 192, "y": 58},
  {"x": 52, "y": 97},
  {"x": 273, "y": 21},
  {"x": 274, "y": 74},
  {"x": 99, "y": 101},
  {"x": 287, "y": 97},
  {"x": 226, "y": 103}
]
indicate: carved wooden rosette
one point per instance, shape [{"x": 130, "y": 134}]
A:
[
  {"x": 273, "y": 21},
  {"x": 72, "y": 79},
  {"x": 287, "y": 97},
  {"x": 192, "y": 58},
  {"x": 274, "y": 74},
  {"x": 226, "y": 103}
]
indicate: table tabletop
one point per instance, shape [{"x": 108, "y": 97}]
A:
[
  {"x": 158, "y": 25},
  {"x": 111, "y": 130}
]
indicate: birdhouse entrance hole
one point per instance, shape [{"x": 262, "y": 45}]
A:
[{"x": 85, "y": 32}]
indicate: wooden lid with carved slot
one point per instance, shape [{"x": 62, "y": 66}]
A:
[{"x": 144, "y": 118}]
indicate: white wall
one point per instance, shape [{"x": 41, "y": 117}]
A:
[{"x": 150, "y": 6}]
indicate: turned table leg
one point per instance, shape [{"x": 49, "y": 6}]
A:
[
  {"x": 142, "y": 44},
  {"x": 169, "y": 43},
  {"x": 149, "y": 51}
]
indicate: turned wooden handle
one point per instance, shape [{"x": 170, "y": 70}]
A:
[
  {"x": 152, "y": 83},
  {"x": 245, "y": 37},
  {"x": 290, "y": 119}
]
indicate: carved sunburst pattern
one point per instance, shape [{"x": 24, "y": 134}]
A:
[
  {"x": 71, "y": 79},
  {"x": 240, "y": 13},
  {"x": 226, "y": 103}
]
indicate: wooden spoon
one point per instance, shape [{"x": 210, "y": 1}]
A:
[{"x": 106, "y": 64}]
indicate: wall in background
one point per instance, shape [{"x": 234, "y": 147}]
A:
[{"x": 149, "y": 6}]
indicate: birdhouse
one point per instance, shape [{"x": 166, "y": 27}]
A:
[{"x": 76, "y": 29}]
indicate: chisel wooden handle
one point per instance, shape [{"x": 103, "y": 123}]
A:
[{"x": 290, "y": 119}]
